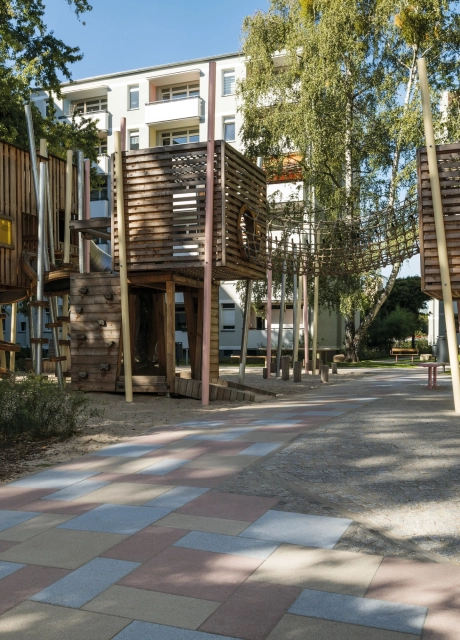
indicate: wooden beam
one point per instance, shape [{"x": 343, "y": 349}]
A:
[
  {"x": 170, "y": 335},
  {"x": 93, "y": 223}
]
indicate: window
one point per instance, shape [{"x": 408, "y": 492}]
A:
[
  {"x": 6, "y": 231},
  {"x": 22, "y": 327},
  {"x": 134, "y": 97},
  {"x": 91, "y": 105},
  {"x": 134, "y": 140},
  {"x": 228, "y": 316},
  {"x": 102, "y": 192},
  {"x": 102, "y": 147},
  {"x": 228, "y": 82},
  {"x": 181, "y": 92},
  {"x": 180, "y": 137},
  {"x": 229, "y": 129},
  {"x": 260, "y": 323}
]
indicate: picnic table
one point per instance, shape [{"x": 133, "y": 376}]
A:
[{"x": 432, "y": 372}]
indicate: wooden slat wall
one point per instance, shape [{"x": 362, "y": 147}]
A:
[
  {"x": 165, "y": 195},
  {"x": 449, "y": 175},
  {"x": 17, "y": 202}
]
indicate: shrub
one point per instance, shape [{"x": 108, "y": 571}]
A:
[{"x": 38, "y": 407}]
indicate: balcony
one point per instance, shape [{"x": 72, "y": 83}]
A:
[
  {"x": 186, "y": 110},
  {"x": 101, "y": 118}
]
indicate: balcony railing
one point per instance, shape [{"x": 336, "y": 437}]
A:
[
  {"x": 186, "y": 109},
  {"x": 101, "y": 118}
]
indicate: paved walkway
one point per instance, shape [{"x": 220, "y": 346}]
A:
[{"x": 134, "y": 542}]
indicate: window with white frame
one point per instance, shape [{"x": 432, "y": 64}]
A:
[
  {"x": 102, "y": 192},
  {"x": 228, "y": 316},
  {"x": 229, "y": 129},
  {"x": 133, "y": 140},
  {"x": 134, "y": 97},
  {"x": 180, "y": 92},
  {"x": 179, "y": 137},
  {"x": 228, "y": 82},
  {"x": 91, "y": 105}
]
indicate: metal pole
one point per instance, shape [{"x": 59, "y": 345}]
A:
[
  {"x": 440, "y": 233},
  {"x": 244, "y": 337},
  {"x": 87, "y": 215},
  {"x": 80, "y": 207},
  {"x": 206, "y": 349},
  {"x": 127, "y": 362},
  {"x": 306, "y": 336},
  {"x": 295, "y": 304},
  {"x": 269, "y": 323},
  {"x": 281, "y": 321},
  {"x": 14, "y": 316},
  {"x": 49, "y": 236},
  {"x": 41, "y": 266}
]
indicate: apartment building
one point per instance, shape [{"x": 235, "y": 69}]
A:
[{"x": 166, "y": 105}]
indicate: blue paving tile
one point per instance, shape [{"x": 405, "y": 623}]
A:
[
  {"x": 277, "y": 423},
  {"x": 54, "y": 479},
  {"x": 114, "y": 518},
  {"x": 10, "y": 519},
  {"x": 84, "y": 584},
  {"x": 177, "y": 497},
  {"x": 378, "y": 614},
  {"x": 126, "y": 450},
  {"x": 296, "y": 528},
  {"x": 162, "y": 467},
  {"x": 231, "y": 545},
  {"x": 76, "y": 490},
  {"x": 227, "y": 436},
  {"x": 7, "y": 568},
  {"x": 149, "y": 631},
  {"x": 260, "y": 449}
]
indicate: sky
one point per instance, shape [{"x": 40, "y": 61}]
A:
[{"x": 120, "y": 35}]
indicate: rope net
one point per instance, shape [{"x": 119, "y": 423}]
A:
[{"x": 335, "y": 247}]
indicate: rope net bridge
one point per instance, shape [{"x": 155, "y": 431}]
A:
[{"x": 333, "y": 247}]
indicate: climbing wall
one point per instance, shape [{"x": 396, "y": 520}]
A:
[{"x": 95, "y": 317}]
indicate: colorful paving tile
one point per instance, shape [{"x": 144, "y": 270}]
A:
[{"x": 122, "y": 519}]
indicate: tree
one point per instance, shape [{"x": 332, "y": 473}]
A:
[
  {"x": 333, "y": 83},
  {"x": 31, "y": 57}
]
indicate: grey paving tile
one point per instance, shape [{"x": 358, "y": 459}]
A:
[
  {"x": 84, "y": 584},
  {"x": 227, "y": 436},
  {"x": 276, "y": 422},
  {"x": 54, "y": 479},
  {"x": 177, "y": 497},
  {"x": 231, "y": 545},
  {"x": 260, "y": 449},
  {"x": 10, "y": 519},
  {"x": 163, "y": 467},
  {"x": 200, "y": 423},
  {"x": 296, "y": 528},
  {"x": 378, "y": 614},
  {"x": 76, "y": 490},
  {"x": 7, "y": 568},
  {"x": 149, "y": 631},
  {"x": 114, "y": 518},
  {"x": 127, "y": 450}
]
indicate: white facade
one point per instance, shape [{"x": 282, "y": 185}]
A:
[{"x": 166, "y": 105}]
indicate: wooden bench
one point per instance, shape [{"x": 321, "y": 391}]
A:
[{"x": 403, "y": 351}]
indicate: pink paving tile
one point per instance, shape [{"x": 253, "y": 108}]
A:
[
  {"x": 146, "y": 544},
  {"x": 163, "y": 437},
  {"x": 59, "y": 506},
  {"x": 229, "y": 506},
  {"x": 76, "y": 464},
  {"x": 196, "y": 574},
  {"x": 15, "y": 497},
  {"x": 432, "y": 585},
  {"x": 4, "y": 545},
  {"x": 252, "y": 611},
  {"x": 209, "y": 478},
  {"x": 22, "y": 584}
]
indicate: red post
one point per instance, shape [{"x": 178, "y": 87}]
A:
[
  {"x": 305, "y": 321},
  {"x": 123, "y": 133},
  {"x": 206, "y": 351},
  {"x": 87, "y": 216},
  {"x": 269, "y": 323}
]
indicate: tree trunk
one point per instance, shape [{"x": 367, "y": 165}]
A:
[{"x": 351, "y": 355}]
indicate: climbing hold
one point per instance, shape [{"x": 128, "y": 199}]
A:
[
  {"x": 83, "y": 290},
  {"x": 104, "y": 367},
  {"x": 81, "y": 336},
  {"x": 83, "y": 375},
  {"x": 102, "y": 323},
  {"x": 108, "y": 296},
  {"x": 109, "y": 344}
]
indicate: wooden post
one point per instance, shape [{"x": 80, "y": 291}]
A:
[
  {"x": 41, "y": 267},
  {"x": 334, "y": 367},
  {"x": 13, "y": 328},
  {"x": 160, "y": 317},
  {"x": 209, "y": 221},
  {"x": 281, "y": 321},
  {"x": 269, "y": 323},
  {"x": 297, "y": 371},
  {"x": 80, "y": 207},
  {"x": 306, "y": 336},
  {"x": 123, "y": 133},
  {"x": 190, "y": 319},
  {"x": 440, "y": 233},
  {"x": 295, "y": 316},
  {"x": 2, "y": 353},
  {"x": 171, "y": 335},
  {"x": 123, "y": 270},
  {"x": 68, "y": 206},
  {"x": 87, "y": 216},
  {"x": 315, "y": 321},
  {"x": 325, "y": 373},
  {"x": 199, "y": 336},
  {"x": 244, "y": 337},
  {"x": 285, "y": 362}
]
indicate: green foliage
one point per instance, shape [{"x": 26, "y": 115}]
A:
[
  {"x": 31, "y": 56},
  {"x": 398, "y": 324},
  {"x": 39, "y": 408}
]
